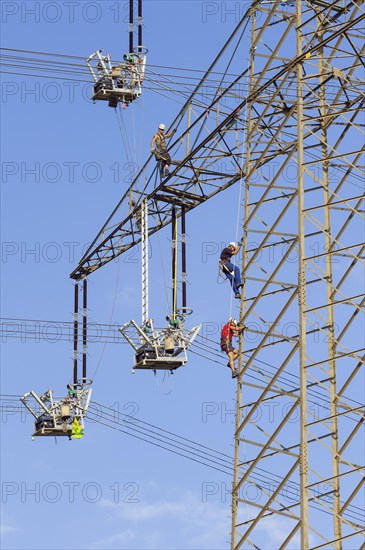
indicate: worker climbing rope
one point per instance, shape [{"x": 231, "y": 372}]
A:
[
  {"x": 160, "y": 151},
  {"x": 230, "y": 270},
  {"x": 230, "y": 329}
]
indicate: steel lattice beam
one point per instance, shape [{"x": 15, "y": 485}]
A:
[{"x": 215, "y": 162}]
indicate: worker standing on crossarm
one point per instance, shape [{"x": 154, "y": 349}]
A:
[
  {"x": 231, "y": 271},
  {"x": 230, "y": 329},
  {"x": 159, "y": 149}
]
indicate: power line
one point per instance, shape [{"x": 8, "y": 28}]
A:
[
  {"x": 103, "y": 333},
  {"x": 182, "y": 446},
  {"x": 181, "y": 83}
]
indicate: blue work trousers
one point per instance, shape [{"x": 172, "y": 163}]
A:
[{"x": 235, "y": 279}]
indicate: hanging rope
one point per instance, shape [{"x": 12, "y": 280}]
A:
[
  {"x": 134, "y": 134},
  {"x": 163, "y": 273},
  {"x": 110, "y": 321},
  {"x": 121, "y": 132},
  {"x": 160, "y": 386},
  {"x": 238, "y": 217},
  {"x": 139, "y": 158},
  {"x": 175, "y": 271},
  {"x": 125, "y": 135}
]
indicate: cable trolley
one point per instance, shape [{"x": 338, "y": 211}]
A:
[
  {"x": 59, "y": 417},
  {"x": 122, "y": 82}
]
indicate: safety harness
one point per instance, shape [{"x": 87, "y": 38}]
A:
[{"x": 224, "y": 268}]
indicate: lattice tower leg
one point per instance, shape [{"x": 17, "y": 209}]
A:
[{"x": 301, "y": 358}]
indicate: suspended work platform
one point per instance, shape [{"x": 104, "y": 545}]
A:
[
  {"x": 117, "y": 83},
  {"x": 59, "y": 417},
  {"x": 164, "y": 349}
]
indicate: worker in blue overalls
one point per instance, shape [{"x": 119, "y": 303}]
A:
[{"x": 230, "y": 270}]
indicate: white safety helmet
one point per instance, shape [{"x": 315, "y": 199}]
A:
[
  {"x": 162, "y": 127},
  {"x": 231, "y": 320},
  {"x": 232, "y": 244}
]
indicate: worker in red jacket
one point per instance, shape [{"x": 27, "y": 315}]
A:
[{"x": 230, "y": 329}]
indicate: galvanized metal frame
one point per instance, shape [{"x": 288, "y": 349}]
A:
[{"x": 320, "y": 292}]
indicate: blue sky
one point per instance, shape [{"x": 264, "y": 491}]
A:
[
  {"x": 64, "y": 168},
  {"x": 48, "y": 217}
]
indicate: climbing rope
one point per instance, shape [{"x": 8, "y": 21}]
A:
[
  {"x": 244, "y": 144},
  {"x": 175, "y": 271}
]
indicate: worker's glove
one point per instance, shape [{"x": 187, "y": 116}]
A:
[
  {"x": 173, "y": 131},
  {"x": 240, "y": 243},
  {"x": 152, "y": 149}
]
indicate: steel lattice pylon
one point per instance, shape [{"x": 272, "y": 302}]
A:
[
  {"x": 285, "y": 115},
  {"x": 303, "y": 297}
]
